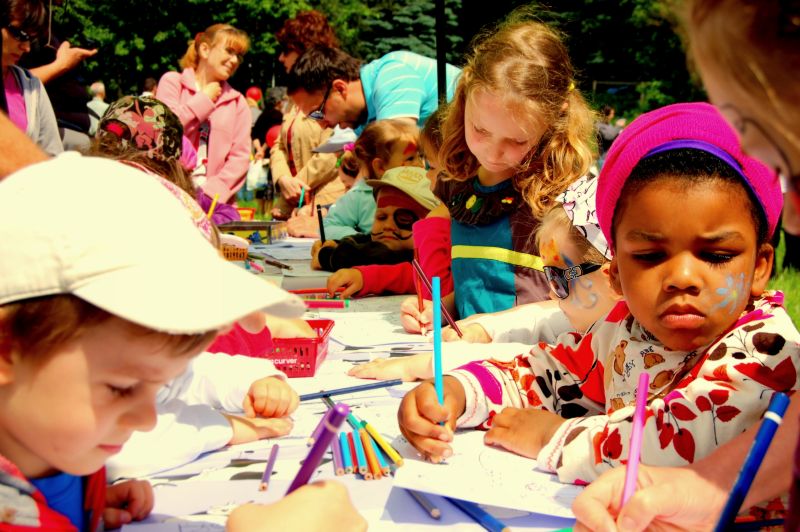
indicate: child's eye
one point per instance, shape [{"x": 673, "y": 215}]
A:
[
  {"x": 520, "y": 142},
  {"x": 479, "y": 131},
  {"x": 650, "y": 257},
  {"x": 718, "y": 257},
  {"x": 120, "y": 392}
]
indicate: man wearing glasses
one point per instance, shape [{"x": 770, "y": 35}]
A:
[{"x": 334, "y": 88}]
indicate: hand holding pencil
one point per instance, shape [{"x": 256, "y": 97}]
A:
[{"x": 420, "y": 415}]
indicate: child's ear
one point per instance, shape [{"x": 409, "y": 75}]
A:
[
  {"x": 378, "y": 166},
  {"x": 613, "y": 276},
  {"x": 6, "y": 353},
  {"x": 762, "y": 270}
]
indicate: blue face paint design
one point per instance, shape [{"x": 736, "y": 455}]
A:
[{"x": 730, "y": 294}]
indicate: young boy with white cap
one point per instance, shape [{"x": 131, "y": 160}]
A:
[{"x": 98, "y": 311}]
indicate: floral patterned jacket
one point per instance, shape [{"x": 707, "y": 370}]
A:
[{"x": 697, "y": 400}]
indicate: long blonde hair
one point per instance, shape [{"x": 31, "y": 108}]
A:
[
  {"x": 236, "y": 39},
  {"x": 528, "y": 64}
]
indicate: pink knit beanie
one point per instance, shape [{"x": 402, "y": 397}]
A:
[{"x": 682, "y": 125}]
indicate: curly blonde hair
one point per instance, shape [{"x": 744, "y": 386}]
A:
[{"x": 527, "y": 63}]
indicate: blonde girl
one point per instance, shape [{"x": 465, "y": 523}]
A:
[
  {"x": 215, "y": 117},
  {"x": 516, "y": 134}
]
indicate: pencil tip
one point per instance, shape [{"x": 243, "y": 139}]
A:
[{"x": 436, "y": 513}]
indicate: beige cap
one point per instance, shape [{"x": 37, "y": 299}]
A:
[{"x": 410, "y": 179}]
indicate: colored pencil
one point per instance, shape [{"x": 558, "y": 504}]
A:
[
  {"x": 331, "y": 423},
  {"x": 321, "y": 225},
  {"x": 361, "y": 458},
  {"x": 351, "y": 389},
  {"x": 437, "y": 341},
  {"x": 388, "y": 449},
  {"x": 635, "y": 446},
  {"x": 344, "y": 446},
  {"x": 327, "y": 303},
  {"x": 372, "y": 460},
  {"x": 351, "y": 419},
  {"x": 273, "y": 456},
  {"x": 318, "y": 430},
  {"x": 426, "y": 503},
  {"x": 772, "y": 420},
  {"x": 481, "y": 516},
  {"x": 213, "y": 206},
  {"x": 302, "y": 291},
  {"x": 385, "y": 468},
  {"x": 269, "y": 260},
  {"x": 302, "y": 197},
  {"x": 418, "y": 288},
  {"x": 353, "y": 455},
  {"x": 338, "y": 459},
  {"x": 450, "y": 321}
]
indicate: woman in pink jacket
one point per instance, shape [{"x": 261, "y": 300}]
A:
[{"x": 215, "y": 117}]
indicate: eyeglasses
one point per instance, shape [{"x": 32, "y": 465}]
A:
[
  {"x": 559, "y": 279},
  {"x": 319, "y": 113},
  {"x": 19, "y": 34}
]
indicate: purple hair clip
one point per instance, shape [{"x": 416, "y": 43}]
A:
[{"x": 349, "y": 146}]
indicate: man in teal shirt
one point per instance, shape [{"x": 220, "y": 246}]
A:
[{"x": 331, "y": 86}]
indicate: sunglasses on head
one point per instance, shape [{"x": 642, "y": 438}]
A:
[
  {"x": 19, "y": 34},
  {"x": 559, "y": 278},
  {"x": 319, "y": 113}
]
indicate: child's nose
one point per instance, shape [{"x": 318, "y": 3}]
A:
[
  {"x": 682, "y": 273},
  {"x": 141, "y": 415}
]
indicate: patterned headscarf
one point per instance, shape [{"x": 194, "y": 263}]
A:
[
  {"x": 146, "y": 124},
  {"x": 579, "y": 203}
]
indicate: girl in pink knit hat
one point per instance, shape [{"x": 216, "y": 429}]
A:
[{"x": 688, "y": 217}]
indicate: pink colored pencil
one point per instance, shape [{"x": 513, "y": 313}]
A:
[
  {"x": 635, "y": 446},
  {"x": 327, "y": 303}
]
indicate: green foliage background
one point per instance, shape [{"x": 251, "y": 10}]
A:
[{"x": 626, "y": 51}]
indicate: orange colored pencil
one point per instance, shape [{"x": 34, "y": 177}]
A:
[{"x": 372, "y": 460}]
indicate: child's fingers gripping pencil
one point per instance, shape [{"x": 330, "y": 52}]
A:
[
  {"x": 450, "y": 321},
  {"x": 772, "y": 420},
  {"x": 635, "y": 446}
]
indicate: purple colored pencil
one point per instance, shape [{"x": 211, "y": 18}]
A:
[
  {"x": 315, "y": 435},
  {"x": 273, "y": 456},
  {"x": 330, "y": 426},
  {"x": 336, "y": 451}
]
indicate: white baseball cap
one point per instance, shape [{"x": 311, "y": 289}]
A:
[
  {"x": 115, "y": 237},
  {"x": 340, "y": 138}
]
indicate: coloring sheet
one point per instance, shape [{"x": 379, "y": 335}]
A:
[{"x": 486, "y": 475}]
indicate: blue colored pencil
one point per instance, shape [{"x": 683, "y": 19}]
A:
[
  {"x": 336, "y": 452},
  {"x": 351, "y": 389},
  {"x": 273, "y": 455},
  {"x": 437, "y": 340},
  {"x": 361, "y": 458},
  {"x": 331, "y": 422},
  {"x": 481, "y": 516},
  {"x": 385, "y": 469},
  {"x": 426, "y": 503},
  {"x": 772, "y": 420},
  {"x": 344, "y": 447}
]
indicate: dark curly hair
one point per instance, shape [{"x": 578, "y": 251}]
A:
[{"x": 306, "y": 29}]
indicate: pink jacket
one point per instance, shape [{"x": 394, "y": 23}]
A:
[{"x": 229, "y": 139}]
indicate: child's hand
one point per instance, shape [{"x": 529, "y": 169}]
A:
[
  {"x": 247, "y": 429},
  {"x": 290, "y": 188},
  {"x": 303, "y": 226},
  {"x": 270, "y": 397},
  {"x": 127, "y": 501},
  {"x": 289, "y": 328},
  {"x": 351, "y": 279},
  {"x": 330, "y": 502},
  {"x": 213, "y": 90},
  {"x": 408, "y": 368},
  {"x": 412, "y": 319},
  {"x": 523, "y": 430},
  {"x": 473, "y": 333},
  {"x": 315, "y": 265},
  {"x": 420, "y": 414}
]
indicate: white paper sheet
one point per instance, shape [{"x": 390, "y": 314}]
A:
[{"x": 486, "y": 475}]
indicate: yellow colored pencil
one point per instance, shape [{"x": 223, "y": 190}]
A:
[
  {"x": 388, "y": 449},
  {"x": 372, "y": 460},
  {"x": 213, "y": 205}
]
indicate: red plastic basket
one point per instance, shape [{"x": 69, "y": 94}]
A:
[{"x": 300, "y": 357}]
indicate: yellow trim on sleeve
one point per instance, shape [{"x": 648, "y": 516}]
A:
[{"x": 508, "y": 256}]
